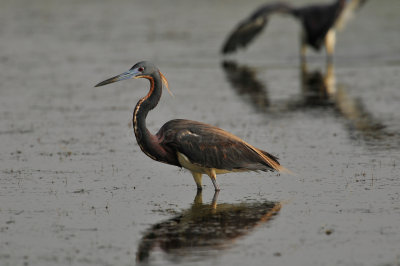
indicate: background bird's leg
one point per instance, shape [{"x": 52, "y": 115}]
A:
[
  {"x": 211, "y": 173},
  {"x": 197, "y": 179},
  {"x": 330, "y": 40}
]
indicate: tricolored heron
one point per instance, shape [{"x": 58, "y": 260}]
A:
[
  {"x": 198, "y": 147},
  {"x": 319, "y": 23}
]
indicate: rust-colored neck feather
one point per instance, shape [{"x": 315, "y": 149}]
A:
[{"x": 147, "y": 141}]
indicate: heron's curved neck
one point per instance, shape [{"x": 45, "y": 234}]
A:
[
  {"x": 144, "y": 138},
  {"x": 148, "y": 102}
]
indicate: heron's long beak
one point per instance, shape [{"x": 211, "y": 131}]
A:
[{"x": 133, "y": 73}]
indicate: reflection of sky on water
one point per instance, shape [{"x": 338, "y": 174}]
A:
[{"x": 204, "y": 228}]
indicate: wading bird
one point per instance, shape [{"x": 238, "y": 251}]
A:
[
  {"x": 319, "y": 24},
  {"x": 198, "y": 147}
]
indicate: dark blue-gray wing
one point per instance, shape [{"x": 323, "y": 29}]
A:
[
  {"x": 251, "y": 27},
  {"x": 211, "y": 147}
]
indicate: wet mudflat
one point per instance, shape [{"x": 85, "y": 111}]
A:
[{"x": 75, "y": 189}]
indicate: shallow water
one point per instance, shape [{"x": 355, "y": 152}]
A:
[{"x": 75, "y": 189}]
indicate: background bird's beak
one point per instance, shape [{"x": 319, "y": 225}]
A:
[{"x": 126, "y": 75}]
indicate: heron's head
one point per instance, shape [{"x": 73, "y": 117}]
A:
[{"x": 142, "y": 69}]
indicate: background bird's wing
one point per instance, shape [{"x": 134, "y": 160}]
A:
[
  {"x": 211, "y": 147},
  {"x": 348, "y": 13},
  {"x": 250, "y": 27}
]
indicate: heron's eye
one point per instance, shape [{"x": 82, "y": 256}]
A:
[{"x": 140, "y": 69}]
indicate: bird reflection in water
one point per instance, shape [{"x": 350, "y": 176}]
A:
[
  {"x": 319, "y": 89},
  {"x": 204, "y": 228},
  {"x": 244, "y": 81}
]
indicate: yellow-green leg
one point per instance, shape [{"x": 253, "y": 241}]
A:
[
  {"x": 197, "y": 179},
  {"x": 330, "y": 40},
  {"x": 211, "y": 173}
]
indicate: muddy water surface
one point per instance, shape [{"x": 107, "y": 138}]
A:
[{"x": 75, "y": 189}]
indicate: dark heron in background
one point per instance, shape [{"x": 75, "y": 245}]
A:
[
  {"x": 198, "y": 147},
  {"x": 319, "y": 24}
]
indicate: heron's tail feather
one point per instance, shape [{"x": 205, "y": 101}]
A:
[{"x": 272, "y": 161}]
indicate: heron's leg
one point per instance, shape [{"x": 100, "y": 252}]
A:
[
  {"x": 211, "y": 173},
  {"x": 197, "y": 179},
  {"x": 330, "y": 40}
]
